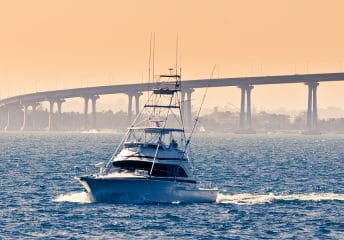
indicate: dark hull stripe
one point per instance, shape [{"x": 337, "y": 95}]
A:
[
  {"x": 150, "y": 157},
  {"x": 132, "y": 178}
]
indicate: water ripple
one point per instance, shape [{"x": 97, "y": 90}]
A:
[{"x": 272, "y": 187}]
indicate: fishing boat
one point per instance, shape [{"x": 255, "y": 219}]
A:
[{"x": 151, "y": 164}]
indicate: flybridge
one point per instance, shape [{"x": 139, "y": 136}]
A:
[{"x": 167, "y": 87}]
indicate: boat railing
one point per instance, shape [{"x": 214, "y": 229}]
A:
[{"x": 143, "y": 144}]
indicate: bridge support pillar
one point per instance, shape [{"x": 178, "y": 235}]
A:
[
  {"x": 309, "y": 108},
  {"x": 53, "y": 125},
  {"x": 8, "y": 124},
  {"x": 130, "y": 106},
  {"x": 245, "y": 121},
  {"x": 24, "y": 124},
  {"x": 94, "y": 111},
  {"x": 249, "y": 112},
  {"x": 86, "y": 100},
  {"x": 59, "y": 112},
  {"x": 3, "y": 117},
  {"x": 137, "y": 103},
  {"x": 59, "y": 106},
  {"x": 315, "y": 107},
  {"x": 33, "y": 113},
  {"x": 187, "y": 108},
  {"x": 51, "y": 114},
  {"x": 26, "y": 116},
  {"x": 182, "y": 105},
  {"x": 242, "y": 109},
  {"x": 312, "y": 109}
]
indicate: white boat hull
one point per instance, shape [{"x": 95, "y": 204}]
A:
[{"x": 146, "y": 190}]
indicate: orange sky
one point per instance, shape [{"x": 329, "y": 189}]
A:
[{"x": 46, "y": 45}]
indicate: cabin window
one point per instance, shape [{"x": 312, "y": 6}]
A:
[{"x": 159, "y": 170}]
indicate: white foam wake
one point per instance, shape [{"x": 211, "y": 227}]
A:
[
  {"x": 242, "y": 198},
  {"x": 246, "y": 198},
  {"x": 77, "y": 197}
]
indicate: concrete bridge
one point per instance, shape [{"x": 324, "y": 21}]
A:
[{"x": 246, "y": 84}]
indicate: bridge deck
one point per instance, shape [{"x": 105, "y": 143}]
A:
[{"x": 186, "y": 84}]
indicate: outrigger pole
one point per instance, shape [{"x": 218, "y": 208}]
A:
[{"x": 199, "y": 110}]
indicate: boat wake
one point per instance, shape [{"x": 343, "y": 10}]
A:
[
  {"x": 223, "y": 198},
  {"x": 76, "y": 197},
  {"x": 251, "y": 199}
]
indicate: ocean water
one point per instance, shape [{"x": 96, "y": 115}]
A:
[{"x": 272, "y": 187}]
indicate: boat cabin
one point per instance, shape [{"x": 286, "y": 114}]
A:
[{"x": 159, "y": 170}]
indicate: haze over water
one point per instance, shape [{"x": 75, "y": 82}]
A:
[
  {"x": 48, "y": 45},
  {"x": 272, "y": 186}
]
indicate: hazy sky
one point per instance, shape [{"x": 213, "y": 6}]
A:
[{"x": 47, "y": 45}]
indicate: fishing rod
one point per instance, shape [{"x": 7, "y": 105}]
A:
[{"x": 199, "y": 110}]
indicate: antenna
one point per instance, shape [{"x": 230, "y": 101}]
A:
[
  {"x": 153, "y": 56},
  {"x": 176, "y": 67},
  {"x": 149, "y": 63},
  {"x": 149, "y": 59}
]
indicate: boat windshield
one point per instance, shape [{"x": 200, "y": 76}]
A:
[{"x": 167, "y": 138}]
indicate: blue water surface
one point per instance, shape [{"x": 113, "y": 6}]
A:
[{"x": 272, "y": 187}]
